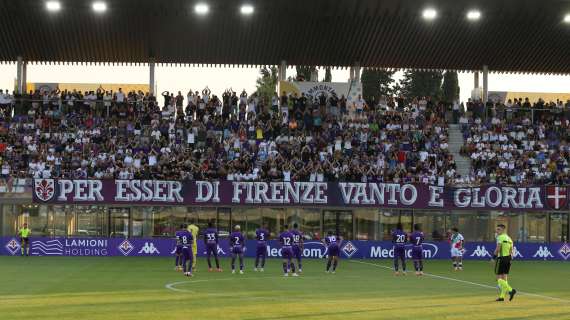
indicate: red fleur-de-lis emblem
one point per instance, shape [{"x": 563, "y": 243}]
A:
[{"x": 44, "y": 189}]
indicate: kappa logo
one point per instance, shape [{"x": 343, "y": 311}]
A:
[
  {"x": 44, "y": 189},
  {"x": 149, "y": 249},
  {"x": 557, "y": 197},
  {"x": 125, "y": 247},
  {"x": 349, "y": 249},
  {"x": 13, "y": 246},
  {"x": 517, "y": 253},
  {"x": 480, "y": 252},
  {"x": 564, "y": 251},
  {"x": 543, "y": 253}
]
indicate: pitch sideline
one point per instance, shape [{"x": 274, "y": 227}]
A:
[{"x": 469, "y": 282}]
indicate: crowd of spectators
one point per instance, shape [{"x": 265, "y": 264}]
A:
[
  {"x": 126, "y": 135},
  {"x": 519, "y": 143},
  {"x": 62, "y": 134}
]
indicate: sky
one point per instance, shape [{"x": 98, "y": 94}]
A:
[{"x": 218, "y": 78}]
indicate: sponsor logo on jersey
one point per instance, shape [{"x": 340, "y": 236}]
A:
[
  {"x": 125, "y": 247},
  {"x": 480, "y": 252},
  {"x": 543, "y": 253},
  {"x": 349, "y": 249},
  {"x": 149, "y": 248},
  {"x": 13, "y": 246},
  {"x": 564, "y": 251},
  {"x": 44, "y": 189}
]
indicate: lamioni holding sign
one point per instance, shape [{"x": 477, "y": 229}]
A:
[{"x": 503, "y": 256}]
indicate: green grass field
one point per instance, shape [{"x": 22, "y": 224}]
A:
[{"x": 137, "y": 288}]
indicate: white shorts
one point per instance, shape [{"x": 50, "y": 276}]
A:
[{"x": 456, "y": 252}]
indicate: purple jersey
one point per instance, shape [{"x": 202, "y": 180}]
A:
[
  {"x": 261, "y": 235},
  {"x": 211, "y": 236},
  {"x": 332, "y": 241},
  {"x": 236, "y": 239},
  {"x": 286, "y": 239},
  {"x": 399, "y": 238},
  {"x": 184, "y": 238},
  {"x": 297, "y": 238},
  {"x": 417, "y": 238}
]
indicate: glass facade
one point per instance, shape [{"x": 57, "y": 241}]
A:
[{"x": 358, "y": 223}]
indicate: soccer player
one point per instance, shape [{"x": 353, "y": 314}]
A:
[
  {"x": 332, "y": 243},
  {"x": 178, "y": 252},
  {"x": 211, "y": 242},
  {"x": 503, "y": 257},
  {"x": 297, "y": 247},
  {"x": 185, "y": 239},
  {"x": 286, "y": 241},
  {"x": 237, "y": 247},
  {"x": 261, "y": 235},
  {"x": 24, "y": 234},
  {"x": 457, "y": 249},
  {"x": 193, "y": 228},
  {"x": 399, "y": 239},
  {"x": 417, "y": 239}
]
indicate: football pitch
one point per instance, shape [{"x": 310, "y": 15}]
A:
[{"x": 149, "y": 288}]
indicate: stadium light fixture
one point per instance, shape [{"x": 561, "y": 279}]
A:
[
  {"x": 99, "y": 6},
  {"x": 202, "y": 8},
  {"x": 567, "y": 18},
  {"x": 473, "y": 15},
  {"x": 53, "y": 6},
  {"x": 429, "y": 14},
  {"x": 247, "y": 9}
]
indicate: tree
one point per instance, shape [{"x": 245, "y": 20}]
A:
[
  {"x": 304, "y": 73},
  {"x": 421, "y": 84},
  {"x": 328, "y": 75},
  {"x": 376, "y": 83},
  {"x": 267, "y": 83},
  {"x": 450, "y": 87}
]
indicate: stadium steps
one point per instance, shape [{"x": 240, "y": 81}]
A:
[{"x": 455, "y": 144}]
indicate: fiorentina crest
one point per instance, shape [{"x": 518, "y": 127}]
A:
[
  {"x": 44, "y": 189},
  {"x": 557, "y": 197}
]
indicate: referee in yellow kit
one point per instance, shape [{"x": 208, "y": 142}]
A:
[
  {"x": 503, "y": 258},
  {"x": 24, "y": 234},
  {"x": 193, "y": 228}
]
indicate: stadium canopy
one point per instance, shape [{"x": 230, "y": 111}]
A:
[{"x": 511, "y": 35}]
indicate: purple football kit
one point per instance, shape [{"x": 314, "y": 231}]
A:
[
  {"x": 237, "y": 247},
  {"x": 184, "y": 239},
  {"x": 332, "y": 245},
  {"x": 297, "y": 248},
  {"x": 286, "y": 241},
  {"x": 211, "y": 242},
  {"x": 417, "y": 239},
  {"x": 399, "y": 239},
  {"x": 261, "y": 236}
]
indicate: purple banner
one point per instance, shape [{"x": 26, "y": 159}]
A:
[
  {"x": 353, "y": 249},
  {"x": 341, "y": 194}
]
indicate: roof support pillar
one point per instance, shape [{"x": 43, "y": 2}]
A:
[
  {"x": 24, "y": 76},
  {"x": 355, "y": 72},
  {"x": 19, "y": 75},
  {"x": 151, "y": 83},
  {"x": 485, "y": 83},
  {"x": 282, "y": 71},
  {"x": 476, "y": 79},
  {"x": 314, "y": 75}
]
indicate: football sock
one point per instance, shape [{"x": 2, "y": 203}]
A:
[
  {"x": 177, "y": 259},
  {"x": 396, "y": 265},
  {"x": 328, "y": 265},
  {"x": 233, "y": 263},
  {"x": 263, "y": 261},
  {"x": 284, "y": 267},
  {"x": 256, "y": 261},
  {"x": 335, "y": 263},
  {"x": 503, "y": 285},
  {"x": 292, "y": 267},
  {"x": 421, "y": 263}
]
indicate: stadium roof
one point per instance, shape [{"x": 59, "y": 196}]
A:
[{"x": 512, "y": 35}]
